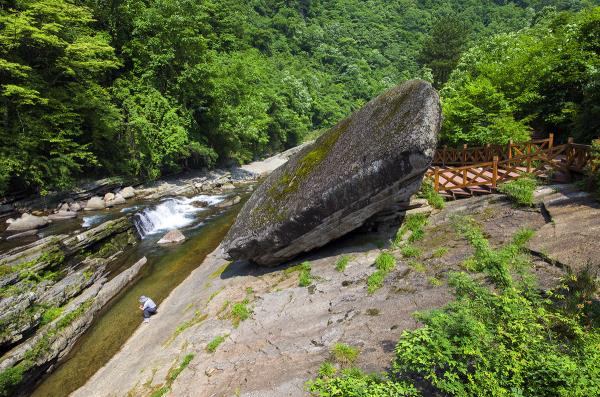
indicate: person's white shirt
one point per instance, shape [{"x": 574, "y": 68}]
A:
[{"x": 149, "y": 304}]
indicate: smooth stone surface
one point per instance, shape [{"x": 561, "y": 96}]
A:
[
  {"x": 127, "y": 192},
  {"x": 363, "y": 165},
  {"x": 109, "y": 197},
  {"x": 95, "y": 203},
  {"x": 172, "y": 237},
  {"x": 60, "y": 215},
  {"x": 117, "y": 200}
]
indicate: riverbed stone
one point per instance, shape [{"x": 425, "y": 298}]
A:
[
  {"x": 172, "y": 237},
  {"x": 361, "y": 166},
  {"x": 127, "y": 192},
  {"x": 108, "y": 197},
  {"x": 95, "y": 203},
  {"x": 118, "y": 199},
  {"x": 28, "y": 222}
]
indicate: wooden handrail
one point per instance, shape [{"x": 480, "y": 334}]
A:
[{"x": 532, "y": 158}]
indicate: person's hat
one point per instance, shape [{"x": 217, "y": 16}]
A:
[{"x": 143, "y": 299}]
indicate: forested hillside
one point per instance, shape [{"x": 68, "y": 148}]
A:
[{"x": 146, "y": 87}]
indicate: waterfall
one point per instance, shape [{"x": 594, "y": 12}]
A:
[{"x": 171, "y": 213}]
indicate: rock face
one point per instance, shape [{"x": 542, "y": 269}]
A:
[
  {"x": 172, "y": 237},
  {"x": 27, "y": 222},
  {"x": 127, "y": 192},
  {"x": 361, "y": 166}
]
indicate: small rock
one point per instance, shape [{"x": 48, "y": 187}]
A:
[
  {"x": 95, "y": 203},
  {"x": 63, "y": 207},
  {"x": 229, "y": 203},
  {"x": 227, "y": 186},
  {"x": 74, "y": 207},
  {"x": 37, "y": 213},
  {"x": 422, "y": 210},
  {"x": 127, "y": 192},
  {"x": 172, "y": 237},
  {"x": 108, "y": 197},
  {"x": 28, "y": 222}
]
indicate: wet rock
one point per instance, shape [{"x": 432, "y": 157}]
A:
[
  {"x": 361, "y": 166},
  {"x": 172, "y": 237},
  {"x": 28, "y": 222},
  {"x": 108, "y": 197},
  {"x": 229, "y": 203},
  {"x": 74, "y": 207},
  {"x": 22, "y": 234},
  {"x": 96, "y": 234},
  {"x": 60, "y": 340},
  {"x": 95, "y": 203},
  {"x": 127, "y": 192}
]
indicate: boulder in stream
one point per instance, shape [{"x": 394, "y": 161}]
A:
[
  {"x": 361, "y": 166},
  {"x": 172, "y": 237},
  {"x": 27, "y": 222},
  {"x": 95, "y": 203}
]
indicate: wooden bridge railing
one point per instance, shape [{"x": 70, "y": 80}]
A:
[
  {"x": 488, "y": 165},
  {"x": 478, "y": 154}
]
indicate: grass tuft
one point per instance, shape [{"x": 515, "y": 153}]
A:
[
  {"x": 521, "y": 190},
  {"x": 341, "y": 263},
  {"x": 343, "y": 354}
]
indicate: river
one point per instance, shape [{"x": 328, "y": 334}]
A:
[{"x": 167, "y": 267}]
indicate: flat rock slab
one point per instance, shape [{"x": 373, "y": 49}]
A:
[
  {"x": 361, "y": 166},
  {"x": 571, "y": 238}
]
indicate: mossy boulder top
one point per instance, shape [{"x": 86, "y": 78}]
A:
[{"x": 361, "y": 166}]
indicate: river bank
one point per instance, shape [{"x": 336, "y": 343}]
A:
[
  {"x": 52, "y": 277},
  {"x": 291, "y": 327}
]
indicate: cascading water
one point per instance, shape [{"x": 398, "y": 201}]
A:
[{"x": 171, "y": 213}]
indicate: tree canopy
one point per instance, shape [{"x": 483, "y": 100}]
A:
[{"x": 144, "y": 87}]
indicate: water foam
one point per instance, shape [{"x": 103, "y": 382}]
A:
[{"x": 171, "y": 213}]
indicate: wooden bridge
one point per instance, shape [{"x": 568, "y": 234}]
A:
[{"x": 467, "y": 171}]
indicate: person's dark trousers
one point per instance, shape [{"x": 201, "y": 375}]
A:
[{"x": 148, "y": 312}]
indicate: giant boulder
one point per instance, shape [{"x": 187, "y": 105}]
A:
[{"x": 364, "y": 164}]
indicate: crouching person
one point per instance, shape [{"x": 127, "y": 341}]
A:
[{"x": 148, "y": 306}]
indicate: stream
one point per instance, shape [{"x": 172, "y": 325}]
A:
[{"x": 166, "y": 268}]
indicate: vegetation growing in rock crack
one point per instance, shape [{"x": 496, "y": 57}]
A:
[
  {"x": 342, "y": 262},
  {"x": 211, "y": 347},
  {"x": 384, "y": 263},
  {"x": 413, "y": 224},
  {"x": 433, "y": 198}
]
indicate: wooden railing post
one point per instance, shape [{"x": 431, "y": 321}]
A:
[
  {"x": 494, "y": 172},
  {"x": 550, "y": 140},
  {"x": 488, "y": 152},
  {"x": 464, "y": 159},
  {"x": 436, "y": 179}
]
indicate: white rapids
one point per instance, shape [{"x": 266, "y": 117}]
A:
[{"x": 171, "y": 213}]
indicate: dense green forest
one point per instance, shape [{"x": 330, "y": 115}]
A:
[{"x": 147, "y": 87}]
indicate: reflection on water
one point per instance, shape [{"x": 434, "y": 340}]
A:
[{"x": 166, "y": 268}]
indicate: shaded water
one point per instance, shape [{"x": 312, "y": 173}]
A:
[{"x": 167, "y": 267}]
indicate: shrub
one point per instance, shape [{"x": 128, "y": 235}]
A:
[
  {"x": 211, "y": 347},
  {"x": 385, "y": 261},
  {"x": 344, "y": 354},
  {"x": 433, "y": 198},
  {"x": 240, "y": 312},
  {"x": 341, "y": 263},
  {"x": 305, "y": 278},
  {"x": 375, "y": 281},
  {"x": 357, "y": 384},
  {"x": 520, "y": 190},
  {"x": 327, "y": 370}
]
